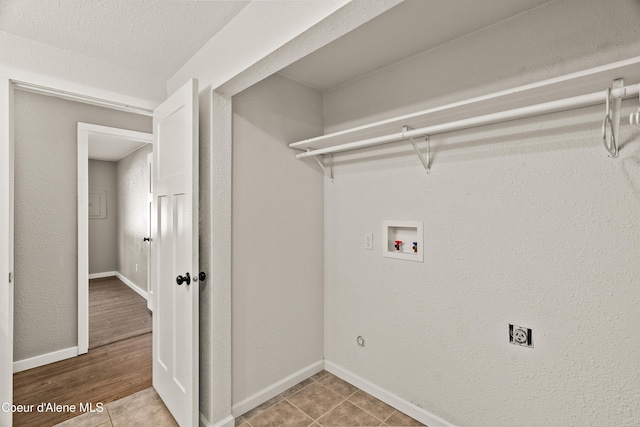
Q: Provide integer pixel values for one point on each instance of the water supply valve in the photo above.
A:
(398, 245)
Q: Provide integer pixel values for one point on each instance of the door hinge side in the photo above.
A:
(10, 277)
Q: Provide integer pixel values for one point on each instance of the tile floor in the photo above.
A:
(144, 408)
(324, 400)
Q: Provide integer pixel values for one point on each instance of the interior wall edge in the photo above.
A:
(276, 388)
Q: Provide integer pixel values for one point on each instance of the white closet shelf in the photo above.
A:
(580, 89)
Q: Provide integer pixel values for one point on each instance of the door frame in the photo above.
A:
(6, 247)
(84, 131)
(149, 231)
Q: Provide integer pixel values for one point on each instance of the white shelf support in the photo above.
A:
(425, 162)
(574, 90)
(634, 118)
(517, 113)
(328, 172)
(612, 119)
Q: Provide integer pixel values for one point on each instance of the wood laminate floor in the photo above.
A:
(115, 312)
(103, 375)
(118, 363)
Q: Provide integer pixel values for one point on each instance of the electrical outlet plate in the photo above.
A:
(368, 241)
(519, 335)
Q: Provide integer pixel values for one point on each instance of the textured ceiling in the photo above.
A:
(405, 30)
(154, 37)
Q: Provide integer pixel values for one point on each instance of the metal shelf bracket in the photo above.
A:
(425, 162)
(634, 118)
(612, 119)
(328, 172)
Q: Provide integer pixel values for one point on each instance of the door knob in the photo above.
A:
(182, 279)
(146, 239)
(202, 276)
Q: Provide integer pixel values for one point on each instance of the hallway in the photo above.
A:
(105, 374)
(117, 365)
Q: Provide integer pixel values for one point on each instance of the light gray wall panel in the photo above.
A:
(133, 215)
(277, 236)
(103, 232)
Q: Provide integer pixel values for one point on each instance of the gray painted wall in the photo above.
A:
(103, 232)
(46, 313)
(133, 216)
(277, 236)
(526, 222)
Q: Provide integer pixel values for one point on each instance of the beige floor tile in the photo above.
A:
(337, 385)
(260, 409)
(399, 419)
(347, 414)
(106, 424)
(154, 414)
(296, 388)
(240, 421)
(319, 375)
(133, 402)
(315, 400)
(89, 419)
(284, 414)
(375, 407)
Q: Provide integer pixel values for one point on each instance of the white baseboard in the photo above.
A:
(226, 422)
(101, 275)
(132, 285)
(276, 388)
(44, 359)
(387, 397)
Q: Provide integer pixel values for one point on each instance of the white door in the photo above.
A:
(175, 254)
(6, 251)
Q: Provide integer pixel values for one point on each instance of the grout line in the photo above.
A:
(344, 399)
(265, 410)
(308, 416)
(394, 411)
(367, 412)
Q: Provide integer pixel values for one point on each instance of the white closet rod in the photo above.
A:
(518, 113)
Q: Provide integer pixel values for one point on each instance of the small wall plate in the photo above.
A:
(519, 335)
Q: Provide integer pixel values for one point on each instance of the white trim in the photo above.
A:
(47, 85)
(84, 129)
(387, 397)
(83, 240)
(6, 247)
(103, 274)
(276, 388)
(116, 132)
(226, 422)
(45, 359)
(132, 285)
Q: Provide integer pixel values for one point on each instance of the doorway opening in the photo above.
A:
(114, 195)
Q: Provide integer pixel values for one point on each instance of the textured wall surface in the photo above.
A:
(133, 215)
(103, 232)
(277, 236)
(30, 60)
(527, 222)
(46, 314)
(554, 39)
